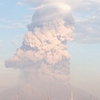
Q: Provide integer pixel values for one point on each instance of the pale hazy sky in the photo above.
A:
(84, 49)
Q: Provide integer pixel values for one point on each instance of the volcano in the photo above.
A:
(27, 92)
(43, 58)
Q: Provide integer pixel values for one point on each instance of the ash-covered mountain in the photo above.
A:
(28, 92)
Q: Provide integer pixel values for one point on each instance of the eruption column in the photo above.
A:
(43, 57)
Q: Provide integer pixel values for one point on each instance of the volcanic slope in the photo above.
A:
(27, 92)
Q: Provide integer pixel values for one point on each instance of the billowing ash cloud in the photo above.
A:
(44, 2)
(45, 43)
(43, 56)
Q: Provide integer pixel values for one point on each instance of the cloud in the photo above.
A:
(39, 7)
(18, 25)
(6, 23)
(43, 52)
(20, 3)
(28, 16)
(87, 30)
(15, 41)
(42, 57)
(84, 11)
(12, 26)
(26, 19)
(35, 41)
(2, 26)
(0, 43)
(40, 2)
(87, 21)
(4, 20)
(20, 36)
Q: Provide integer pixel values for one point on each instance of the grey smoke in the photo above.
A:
(46, 40)
(43, 57)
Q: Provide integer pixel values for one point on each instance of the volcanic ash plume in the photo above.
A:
(43, 57)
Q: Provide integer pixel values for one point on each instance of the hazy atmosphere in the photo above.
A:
(46, 44)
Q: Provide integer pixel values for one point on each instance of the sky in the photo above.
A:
(84, 49)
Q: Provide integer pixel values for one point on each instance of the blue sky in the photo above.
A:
(84, 49)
